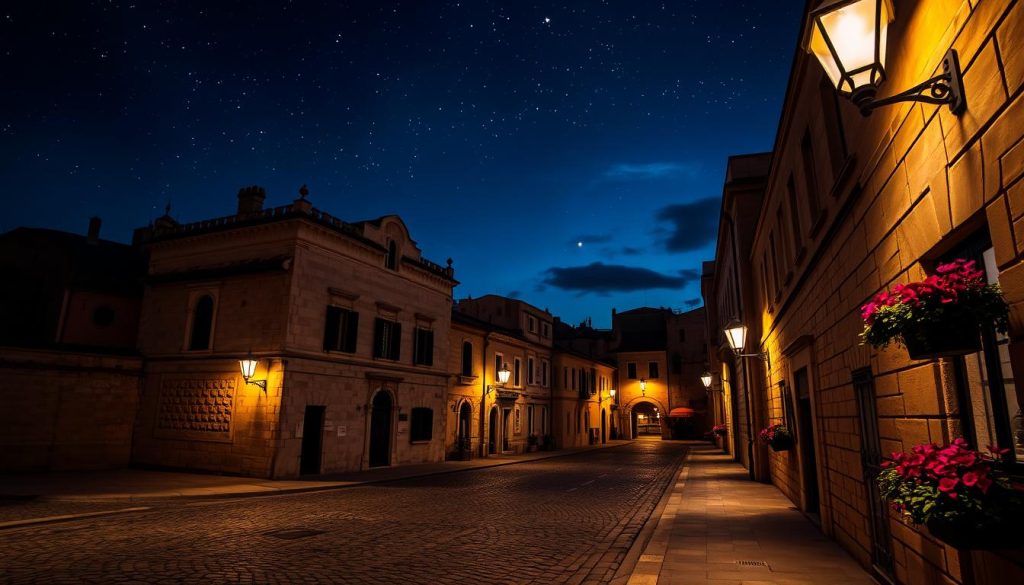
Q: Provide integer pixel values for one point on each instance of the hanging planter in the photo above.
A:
(777, 437)
(959, 494)
(939, 316)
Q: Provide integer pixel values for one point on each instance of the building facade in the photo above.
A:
(492, 333)
(348, 322)
(69, 371)
(854, 206)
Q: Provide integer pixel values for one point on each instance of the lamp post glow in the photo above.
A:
(849, 39)
(643, 386)
(706, 380)
(248, 367)
(736, 335)
(612, 393)
(501, 377)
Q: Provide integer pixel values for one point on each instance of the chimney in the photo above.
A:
(250, 200)
(94, 230)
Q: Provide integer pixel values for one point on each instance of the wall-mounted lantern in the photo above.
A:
(503, 375)
(643, 387)
(706, 380)
(248, 367)
(736, 335)
(849, 39)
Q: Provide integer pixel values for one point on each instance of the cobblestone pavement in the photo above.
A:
(562, 520)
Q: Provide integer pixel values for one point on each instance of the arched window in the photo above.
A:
(392, 260)
(467, 358)
(202, 323)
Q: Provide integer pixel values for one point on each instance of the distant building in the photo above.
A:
(491, 333)
(69, 369)
(660, 358)
(584, 386)
(348, 322)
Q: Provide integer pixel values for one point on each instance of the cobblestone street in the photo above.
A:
(561, 520)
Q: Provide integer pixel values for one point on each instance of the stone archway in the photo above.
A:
(646, 418)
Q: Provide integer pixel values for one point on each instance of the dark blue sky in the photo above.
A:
(570, 153)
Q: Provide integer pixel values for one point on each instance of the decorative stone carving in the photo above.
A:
(191, 407)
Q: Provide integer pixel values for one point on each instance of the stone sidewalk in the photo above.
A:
(719, 528)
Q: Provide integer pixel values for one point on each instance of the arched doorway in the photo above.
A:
(646, 420)
(380, 430)
(604, 426)
(492, 431)
(465, 416)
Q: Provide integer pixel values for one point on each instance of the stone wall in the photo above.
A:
(909, 184)
(66, 410)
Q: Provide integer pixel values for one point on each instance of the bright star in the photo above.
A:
(579, 244)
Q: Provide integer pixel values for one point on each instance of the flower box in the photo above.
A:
(777, 437)
(959, 494)
(937, 317)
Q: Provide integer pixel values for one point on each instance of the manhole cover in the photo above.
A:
(752, 563)
(294, 533)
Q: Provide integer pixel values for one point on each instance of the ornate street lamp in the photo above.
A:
(849, 39)
(503, 375)
(643, 387)
(706, 380)
(248, 367)
(736, 335)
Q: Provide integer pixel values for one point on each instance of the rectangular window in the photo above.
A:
(565, 377)
(544, 420)
(574, 378)
(531, 323)
(652, 370)
(775, 263)
(631, 370)
(529, 420)
(517, 376)
(545, 329)
(387, 339)
(529, 371)
(499, 361)
(421, 425)
(583, 379)
(340, 330)
(794, 216)
(423, 347)
(787, 257)
(593, 380)
(810, 176)
(682, 335)
(544, 373)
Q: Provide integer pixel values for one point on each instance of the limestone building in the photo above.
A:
(855, 205)
(348, 325)
(493, 333)
(584, 391)
(69, 371)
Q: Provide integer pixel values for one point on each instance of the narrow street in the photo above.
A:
(562, 520)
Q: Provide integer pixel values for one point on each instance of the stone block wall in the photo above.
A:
(65, 410)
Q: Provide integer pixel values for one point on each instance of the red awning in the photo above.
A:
(681, 412)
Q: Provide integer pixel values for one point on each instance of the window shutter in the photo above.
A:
(378, 339)
(396, 341)
(429, 349)
(352, 331)
(331, 325)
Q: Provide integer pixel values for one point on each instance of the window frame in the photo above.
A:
(193, 306)
(653, 370)
(417, 426)
(385, 330)
(346, 334)
(422, 346)
(631, 373)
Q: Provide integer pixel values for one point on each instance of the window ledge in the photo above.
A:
(467, 380)
(421, 442)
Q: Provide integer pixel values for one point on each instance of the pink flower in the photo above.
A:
(948, 484)
(970, 479)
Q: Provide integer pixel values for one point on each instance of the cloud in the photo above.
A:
(632, 251)
(607, 278)
(692, 225)
(692, 302)
(657, 170)
(514, 294)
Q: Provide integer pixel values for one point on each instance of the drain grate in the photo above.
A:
(294, 533)
(752, 563)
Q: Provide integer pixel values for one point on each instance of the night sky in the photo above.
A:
(567, 153)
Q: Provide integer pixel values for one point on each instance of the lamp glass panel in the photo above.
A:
(737, 337)
(706, 380)
(503, 374)
(612, 392)
(819, 47)
(643, 384)
(853, 32)
(248, 367)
